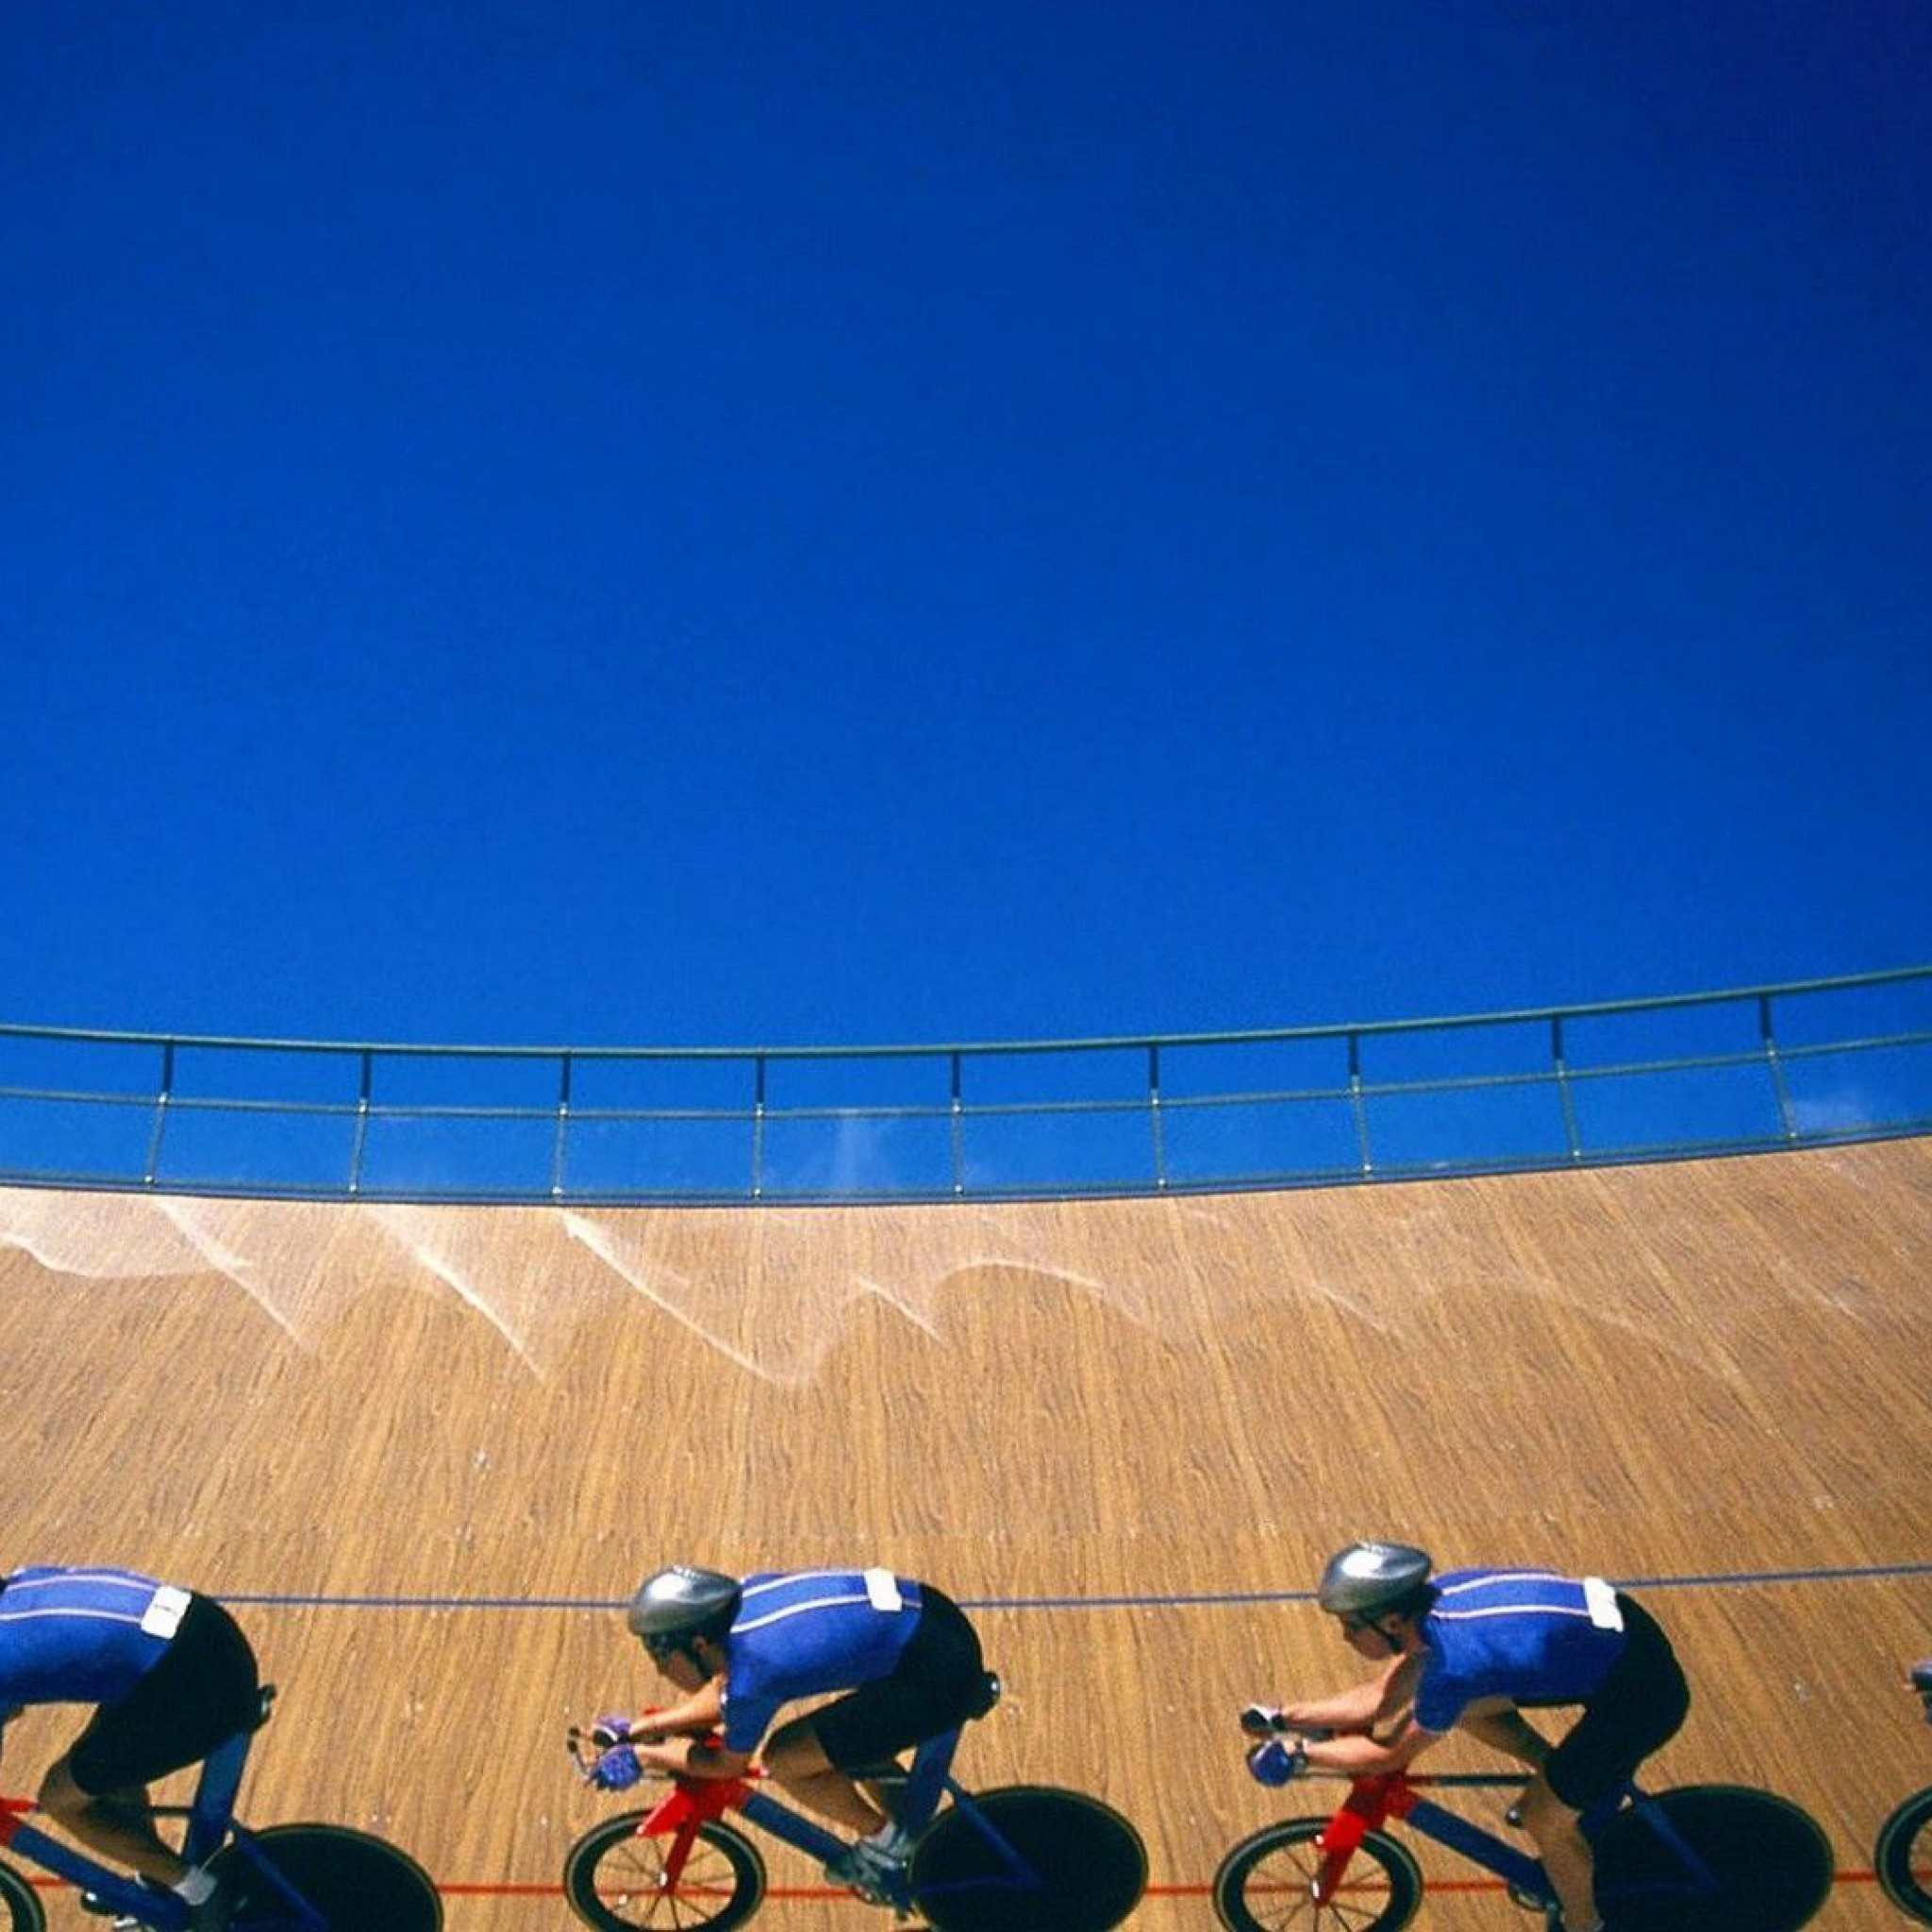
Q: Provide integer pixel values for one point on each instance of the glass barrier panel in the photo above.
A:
(857, 1155)
(429, 1156)
(1509, 1124)
(258, 1149)
(701, 1157)
(1101, 1150)
(1260, 1143)
(1632, 1115)
(1854, 1092)
(104, 1142)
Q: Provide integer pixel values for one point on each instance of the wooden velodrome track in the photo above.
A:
(425, 1452)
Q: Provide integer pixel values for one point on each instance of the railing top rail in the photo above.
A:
(1135, 1042)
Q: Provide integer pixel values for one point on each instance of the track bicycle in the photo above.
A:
(1019, 1858)
(284, 1878)
(1904, 1852)
(1718, 1857)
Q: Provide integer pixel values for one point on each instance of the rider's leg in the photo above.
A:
(795, 1757)
(1568, 1861)
(1509, 1732)
(118, 1824)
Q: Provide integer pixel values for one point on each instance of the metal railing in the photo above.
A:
(1807, 1064)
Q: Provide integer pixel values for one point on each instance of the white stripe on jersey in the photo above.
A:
(778, 1616)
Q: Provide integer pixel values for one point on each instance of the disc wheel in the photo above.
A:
(1904, 1856)
(615, 1879)
(1267, 1883)
(20, 1902)
(1028, 1859)
(1772, 1864)
(357, 1882)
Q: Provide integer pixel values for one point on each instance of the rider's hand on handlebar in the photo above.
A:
(612, 1730)
(617, 1769)
(1263, 1720)
(1276, 1761)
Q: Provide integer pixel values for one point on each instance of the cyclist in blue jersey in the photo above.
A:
(172, 1676)
(904, 1654)
(1468, 1650)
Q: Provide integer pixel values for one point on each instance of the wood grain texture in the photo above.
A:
(428, 1451)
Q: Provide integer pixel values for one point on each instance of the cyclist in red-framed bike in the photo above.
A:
(1470, 1649)
(904, 1654)
(171, 1677)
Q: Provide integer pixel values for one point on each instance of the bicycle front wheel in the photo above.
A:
(615, 1879)
(1772, 1865)
(1028, 1859)
(21, 1903)
(1904, 1856)
(1267, 1883)
(353, 1881)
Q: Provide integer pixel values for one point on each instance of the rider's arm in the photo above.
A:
(694, 1758)
(1366, 1755)
(1354, 1710)
(1387, 1739)
(693, 1715)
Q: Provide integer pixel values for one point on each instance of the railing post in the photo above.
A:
(1153, 1118)
(1359, 1103)
(956, 1125)
(757, 1129)
(360, 1142)
(1573, 1140)
(1787, 1119)
(151, 1173)
(557, 1151)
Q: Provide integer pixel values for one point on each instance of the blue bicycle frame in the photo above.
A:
(1377, 1799)
(210, 1825)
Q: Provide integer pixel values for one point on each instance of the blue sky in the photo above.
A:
(751, 525)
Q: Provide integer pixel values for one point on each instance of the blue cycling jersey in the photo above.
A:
(1526, 1635)
(82, 1635)
(804, 1633)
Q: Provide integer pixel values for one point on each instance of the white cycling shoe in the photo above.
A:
(874, 1867)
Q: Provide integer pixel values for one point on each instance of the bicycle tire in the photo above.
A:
(1266, 1883)
(1904, 1856)
(21, 1903)
(356, 1881)
(1772, 1864)
(1089, 1865)
(613, 1877)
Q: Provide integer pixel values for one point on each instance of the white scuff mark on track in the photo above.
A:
(410, 1229)
(62, 1233)
(1356, 1307)
(590, 1235)
(34, 1249)
(186, 1220)
(1706, 1350)
(893, 1299)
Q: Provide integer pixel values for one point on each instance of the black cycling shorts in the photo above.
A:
(938, 1683)
(202, 1692)
(1638, 1707)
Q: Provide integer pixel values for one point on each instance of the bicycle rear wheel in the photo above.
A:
(1081, 1866)
(1771, 1863)
(615, 1880)
(357, 1883)
(21, 1903)
(1904, 1856)
(1266, 1884)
